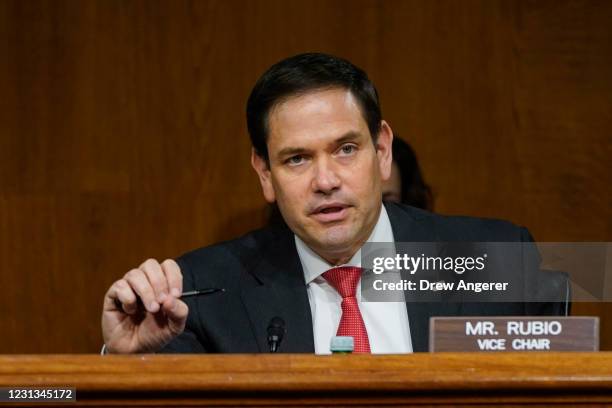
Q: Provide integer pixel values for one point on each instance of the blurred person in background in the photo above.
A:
(406, 184)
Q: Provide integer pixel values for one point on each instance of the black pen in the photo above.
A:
(201, 292)
(191, 293)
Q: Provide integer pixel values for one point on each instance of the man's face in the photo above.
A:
(324, 171)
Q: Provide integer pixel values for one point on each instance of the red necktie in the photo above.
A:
(344, 279)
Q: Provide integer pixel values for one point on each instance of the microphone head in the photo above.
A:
(276, 327)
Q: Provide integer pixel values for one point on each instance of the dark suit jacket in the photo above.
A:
(263, 278)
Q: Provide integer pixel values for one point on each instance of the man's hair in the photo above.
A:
(305, 73)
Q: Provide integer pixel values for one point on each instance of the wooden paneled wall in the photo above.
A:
(123, 136)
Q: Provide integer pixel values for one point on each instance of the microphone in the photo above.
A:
(276, 332)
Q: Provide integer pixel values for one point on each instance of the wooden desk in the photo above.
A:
(290, 379)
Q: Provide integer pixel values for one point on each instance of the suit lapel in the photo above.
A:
(416, 226)
(275, 287)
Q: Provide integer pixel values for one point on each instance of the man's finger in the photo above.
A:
(125, 298)
(176, 310)
(140, 284)
(174, 277)
(120, 297)
(157, 279)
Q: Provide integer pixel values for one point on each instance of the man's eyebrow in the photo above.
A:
(347, 137)
(290, 151)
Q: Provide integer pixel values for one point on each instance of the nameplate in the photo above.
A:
(514, 334)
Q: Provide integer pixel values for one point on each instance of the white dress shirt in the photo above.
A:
(386, 322)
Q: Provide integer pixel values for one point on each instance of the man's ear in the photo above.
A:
(384, 150)
(262, 168)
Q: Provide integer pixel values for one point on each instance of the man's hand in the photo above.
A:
(142, 311)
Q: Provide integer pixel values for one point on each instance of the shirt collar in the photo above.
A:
(313, 265)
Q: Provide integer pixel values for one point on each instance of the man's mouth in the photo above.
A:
(330, 212)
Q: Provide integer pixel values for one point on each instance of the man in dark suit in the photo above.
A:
(321, 150)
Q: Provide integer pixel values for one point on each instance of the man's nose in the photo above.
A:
(326, 180)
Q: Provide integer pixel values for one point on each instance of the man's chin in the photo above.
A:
(337, 239)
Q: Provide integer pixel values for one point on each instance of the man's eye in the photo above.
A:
(348, 149)
(294, 160)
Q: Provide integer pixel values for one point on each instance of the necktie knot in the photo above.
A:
(344, 279)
